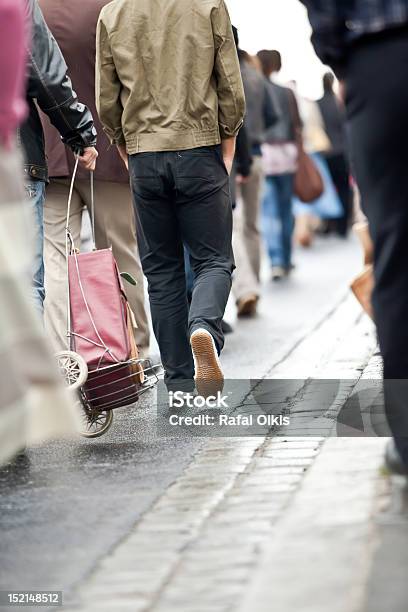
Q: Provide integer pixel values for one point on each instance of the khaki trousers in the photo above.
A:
(114, 227)
(247, 241)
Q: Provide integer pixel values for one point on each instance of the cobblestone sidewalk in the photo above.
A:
(283, 523)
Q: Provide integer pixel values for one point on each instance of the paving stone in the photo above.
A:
(278, 469)
(271, 489)
(285, 450)
(271, 461)
(338, 531)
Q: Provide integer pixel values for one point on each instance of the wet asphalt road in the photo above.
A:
(64, 505)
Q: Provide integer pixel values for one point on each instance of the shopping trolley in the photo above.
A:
(101, 363)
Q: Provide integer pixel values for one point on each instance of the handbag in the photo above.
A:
(308, 185)
(308, 182)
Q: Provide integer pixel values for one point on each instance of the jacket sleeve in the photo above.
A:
(243, 157)
(50, 85)
(108, 87)
(231, 97)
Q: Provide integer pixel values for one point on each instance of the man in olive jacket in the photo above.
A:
(170, 96)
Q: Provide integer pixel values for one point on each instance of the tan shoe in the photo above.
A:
(363, 287)
(209, 377)
(247, 306)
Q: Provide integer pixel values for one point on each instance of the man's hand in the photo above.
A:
(88, 158)
(228, 152)
(123, 154)
(229, 162)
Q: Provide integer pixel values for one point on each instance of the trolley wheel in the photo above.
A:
(93, 423)
(73, 369)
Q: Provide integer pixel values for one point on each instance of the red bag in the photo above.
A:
(102, 330)
(98, 309)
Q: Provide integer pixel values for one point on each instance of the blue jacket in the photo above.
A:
(338, 23)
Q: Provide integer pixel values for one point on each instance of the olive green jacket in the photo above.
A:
(167, 74)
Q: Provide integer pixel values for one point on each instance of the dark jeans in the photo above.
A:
(183, 198)
(339, 170)
(377, 102)
(189, 275)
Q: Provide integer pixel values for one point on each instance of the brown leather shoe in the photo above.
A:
(247, 306)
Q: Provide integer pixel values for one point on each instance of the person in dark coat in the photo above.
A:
(366, 44)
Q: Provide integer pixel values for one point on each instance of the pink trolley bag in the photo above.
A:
(102, 361)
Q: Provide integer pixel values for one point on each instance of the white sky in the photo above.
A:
(282, 25)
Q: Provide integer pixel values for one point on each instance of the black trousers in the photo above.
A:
(377, 103)
(339, 170)
(183, 198)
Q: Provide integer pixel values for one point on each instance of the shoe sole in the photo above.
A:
(208, 374)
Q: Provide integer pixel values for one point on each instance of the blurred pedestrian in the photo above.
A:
(170, 96)
(280, 161)
(334, 117)
(31, 401)
(50, 88)
(314, 215)
(261, 115)
(74, 28)
(366, 44)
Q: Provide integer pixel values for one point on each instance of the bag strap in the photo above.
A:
(296, 119)
(92, 210)
(71, 191)
(69, 241)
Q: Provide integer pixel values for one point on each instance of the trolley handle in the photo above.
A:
(71, 191)
(69, 241)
